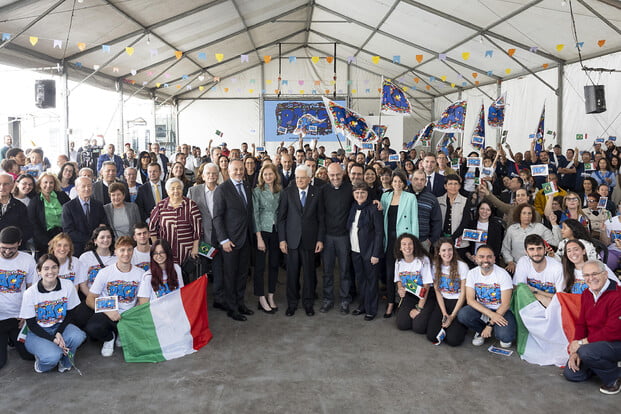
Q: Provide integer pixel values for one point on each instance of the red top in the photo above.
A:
(601, 320)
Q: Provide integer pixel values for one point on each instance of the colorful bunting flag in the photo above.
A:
(178, 54)
(540, 131)
(349, 123)
(419, 58)
(560, 47)
(129, 50)
(600, 43)
(453, 118)
(219, 57)
(380, 130)
(478, 135)
(33, 40)
(496, 113)
(315, 59)
(465, 55)
(329, 59)
(579, 45)
(534, 49)
(489, 53)
(545, 65)
(81, 46)
(58, 44)
(394, 100)
(375, 59)
(396, 59)
(351, 59)
(96, 67)
(475, 74)
(507, 71)
(153, 52)
(424, 136)
(442, 56)
(244, 58)
(7, 36)
(267, 58)
(511, 52)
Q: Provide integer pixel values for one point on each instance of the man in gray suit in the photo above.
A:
(202, 194)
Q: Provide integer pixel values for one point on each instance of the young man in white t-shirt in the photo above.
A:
(122, 280)
(17, 272)
(488, 294)
(142, 252)
(543, 274)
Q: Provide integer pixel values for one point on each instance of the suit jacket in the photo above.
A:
(370, 230)
(133, 214)
(318, 182)
(437, 188)
(197, 193)
(145, 200)
(76, 225)
(407, 214)
(101, 193)
(301, 227)
(232, 217)
(284, 181)
(36, 215)
(15, 215)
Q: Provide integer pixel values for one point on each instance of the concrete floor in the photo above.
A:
(329, 363)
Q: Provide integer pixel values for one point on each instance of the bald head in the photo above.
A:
(335, 174)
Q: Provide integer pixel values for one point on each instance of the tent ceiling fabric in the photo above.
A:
(432, 47)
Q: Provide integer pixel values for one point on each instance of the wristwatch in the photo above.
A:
(580, 342)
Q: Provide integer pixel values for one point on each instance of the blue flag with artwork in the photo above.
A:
(478, 135)
(424, 136)
(496, 113)
(540, 131)
(394, 100)
(453, 118)
(444, 142)
(349, 123)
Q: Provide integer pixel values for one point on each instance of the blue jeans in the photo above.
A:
(472, 319)
(50, 354)
(599, 358)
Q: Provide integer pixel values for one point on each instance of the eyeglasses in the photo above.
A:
(571, 199)
(592, 201)
(589, 275)
(159, 253)
(8, 249)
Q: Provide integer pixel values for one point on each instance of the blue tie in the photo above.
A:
(241, 192)
(303, 200)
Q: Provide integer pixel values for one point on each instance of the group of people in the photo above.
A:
(444, 241)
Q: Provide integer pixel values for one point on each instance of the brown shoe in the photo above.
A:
(611, 389)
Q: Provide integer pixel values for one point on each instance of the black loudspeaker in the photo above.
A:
(594, 99)
(45, 93)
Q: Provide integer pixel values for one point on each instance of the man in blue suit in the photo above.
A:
(82, 215)
(435, 181)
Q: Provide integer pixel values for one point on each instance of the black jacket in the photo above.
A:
(36, 215)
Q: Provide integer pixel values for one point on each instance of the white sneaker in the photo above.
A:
(478, 340)
(118, 342)
(505, 344)
(36, 366)
(108, 347)
(62, 368)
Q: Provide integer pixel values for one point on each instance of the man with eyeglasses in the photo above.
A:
(596, 346)
(17, 272)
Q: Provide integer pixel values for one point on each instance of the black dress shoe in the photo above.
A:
(290, 312)
(310, 311)
(236, 316)
(218, 305)
(357, 312)
(261, 308)
(388, 315)
(345, 308)
(369, 317)
(243, 309)
(325, 307)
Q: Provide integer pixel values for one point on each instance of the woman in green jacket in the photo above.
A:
(400, 216)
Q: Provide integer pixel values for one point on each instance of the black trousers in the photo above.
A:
(420, 323)
(389, 258)
(81, 314)
(366, 280)
(305, 259)
(100, 327)
(235, 265)
(9, 329)
(271, 244)
(455, 333)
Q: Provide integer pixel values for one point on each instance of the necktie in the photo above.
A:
(158, 196)
(87, 211)
(303, 199)
(429, 182)
(242, 193)
(287, 176)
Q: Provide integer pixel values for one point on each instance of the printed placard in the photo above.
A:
(106, 304)
(599, 140)
(602, 203)
(588, 166)
(410, 285)
(612, 138)
(478, 140)
(477, 180)
(579, 137)
(260, 149)
(539, 170)
(367, 145)
(440, 337)
(312, 129)
(393, 158)
(615, 235)
(531, 136)
(471, 235)
(281, 130)
(503, 139)
(320, 162)
(500, 351)
(549, 188)
(486, 172)
(473, 162)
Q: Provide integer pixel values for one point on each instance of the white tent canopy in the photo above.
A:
(233, 52)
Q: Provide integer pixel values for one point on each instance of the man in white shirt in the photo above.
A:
(543, 274)
(488, 294)
(142, 252)
(151, 193)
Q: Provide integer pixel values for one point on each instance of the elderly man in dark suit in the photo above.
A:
(82, 215)
(233, 222)
(301, 232)
(203, 195)
(108, 176)
(152, 192)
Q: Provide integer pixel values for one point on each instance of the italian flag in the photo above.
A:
(170, 327)
(543, 334)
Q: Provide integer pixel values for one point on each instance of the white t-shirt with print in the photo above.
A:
(418, 270)
(449, 288)
(50, 308)
(488, 288)
(92, 267)
(15, 274)
(110, 281)
(551, 280)
(141, 260)
(146, 290)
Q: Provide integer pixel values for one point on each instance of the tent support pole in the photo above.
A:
(559, 105)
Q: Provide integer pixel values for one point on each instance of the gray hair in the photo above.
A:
(211, 165)
(172, 181)
(302, 167)
(6, 174)
(600, 265)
